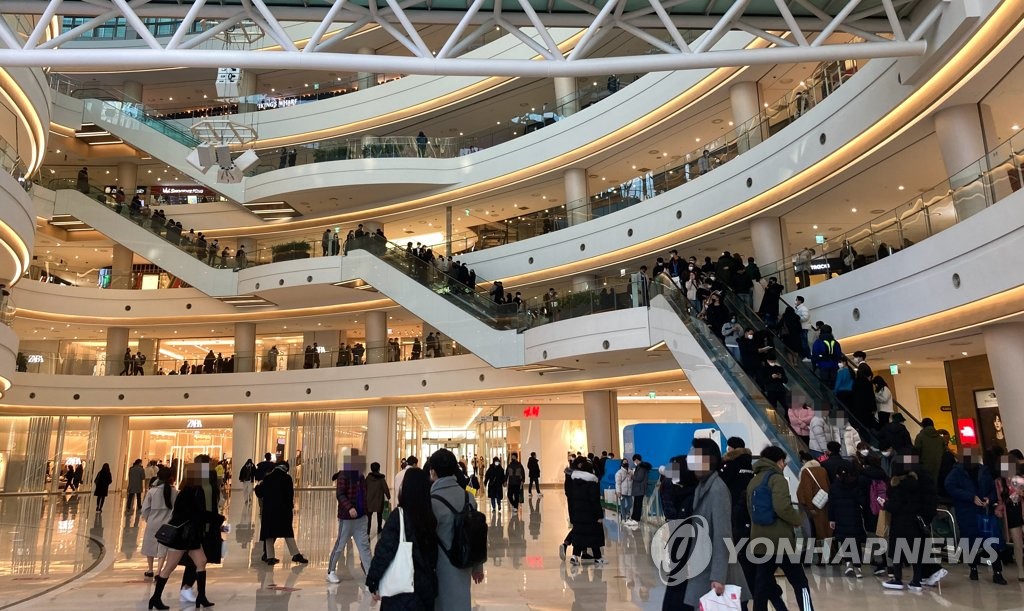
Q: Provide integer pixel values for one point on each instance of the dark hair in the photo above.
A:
(414, 499)
(834, 447)
(267, 456)
(879, 383)
(584, 465)
(138, 461)
(375, 467)
(637, 457)
(805, 456)
(166, 476)
(927, 422)
(443, 463)
(736, 443)
(773, 453)
(861, 354)
(709, 448)
(412, 461)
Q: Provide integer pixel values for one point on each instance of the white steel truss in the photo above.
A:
(798, 31)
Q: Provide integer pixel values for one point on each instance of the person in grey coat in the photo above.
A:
(136, 475)
(713, 503)
(453, 584)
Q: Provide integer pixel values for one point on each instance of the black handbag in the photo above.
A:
(174, 537)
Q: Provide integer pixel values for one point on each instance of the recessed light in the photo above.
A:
(814, 226)
(901, 187)
(1014, 127)
(964, 353)
(853, 209)
(907, 362)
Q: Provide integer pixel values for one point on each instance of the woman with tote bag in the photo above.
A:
(403, 574)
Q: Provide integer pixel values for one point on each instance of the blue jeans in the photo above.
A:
(625, 505)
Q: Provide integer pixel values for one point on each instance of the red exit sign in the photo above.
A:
(531, 411)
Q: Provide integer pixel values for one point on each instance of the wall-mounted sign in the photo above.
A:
(982, 398)
(894, 369)
(531, 411)
(194, 423)
(179, 190)
(968, 432)
(35, 358)
(268, 103)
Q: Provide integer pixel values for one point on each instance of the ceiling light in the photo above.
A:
(964, 353)
(698, 139)
(901, 187)
(907, 362)
(171, 99)
(1014, 127)
(814, 226)
(730, 123)
(853, 209)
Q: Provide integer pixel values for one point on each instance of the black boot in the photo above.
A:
(201, 600)
(155, 601)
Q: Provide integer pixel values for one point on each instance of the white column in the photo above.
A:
(121, 268)
(111, 436)
(132, 90)
(243, 441)
(448, 231)
(246, 91)
(245, 347)
(366, 80)
(380, 437)
(766, 239)
(117, 341)
(148, 347)
(1004, 344)
(128, 178)
(745, 104)
(601, 413)
(577, 206)
(565, 96)
(961, 141)
(376, 337)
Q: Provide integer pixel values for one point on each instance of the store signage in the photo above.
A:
(194, 423)
(821, 266)
(35, 358)
(267, 103)
(531, 411)
(652, 395)
(180, 190)
(968, 432)
(894, 369)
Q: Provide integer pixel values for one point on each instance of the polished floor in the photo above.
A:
(65, 556)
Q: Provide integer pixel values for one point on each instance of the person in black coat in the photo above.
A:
(494, 479)
(909, 517)
(769, 308)
(790, 328)
(678, 485)
(863, 402)
(278, 493)
(101, 485)
(193, 519)
(533, 470)
(846, 500)
(585, 514)
(414, 510)
(895, 433)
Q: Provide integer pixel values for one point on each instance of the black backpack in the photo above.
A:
(469, 535)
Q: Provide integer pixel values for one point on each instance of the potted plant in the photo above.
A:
(289, 251)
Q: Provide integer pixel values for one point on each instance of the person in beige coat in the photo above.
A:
(814, 477)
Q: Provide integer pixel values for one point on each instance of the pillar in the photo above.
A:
(247, 92)
(962, 143)
(132, 90)
(121, 272)
(111, 437)
(128, 178)
(448, 231)
(245, 348)
(1004, 344)
(376, 327)
(117, 342)
(743, 99)
(365, 80)
(577, 206)
(243, 440)
(601, 413)
(380, 437)
(566, 102)
(149, 347)
(251, 254)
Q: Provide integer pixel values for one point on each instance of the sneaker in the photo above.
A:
(600, 561)
(857, 572)
(914, 587)
(848, 571)
(934, 579)
(561, 551)
(575, 560)
(187, 595)
(879, 570)
(974, 573)
(892, 584)
(332, 577)
(998, 579)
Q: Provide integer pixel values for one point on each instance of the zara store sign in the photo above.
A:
(194, 423)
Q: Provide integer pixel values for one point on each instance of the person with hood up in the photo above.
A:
(278, 493)
(494, 480)
(768, 470)
(585, 515)
(378, 496)
(641, 469)
(515, 475)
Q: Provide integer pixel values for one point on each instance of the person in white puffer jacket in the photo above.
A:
(624, 489)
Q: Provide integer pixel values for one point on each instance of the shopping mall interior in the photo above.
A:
(386, 229)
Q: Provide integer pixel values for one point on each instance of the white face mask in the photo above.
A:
(887, 453)
(863, 452)
(693, 462)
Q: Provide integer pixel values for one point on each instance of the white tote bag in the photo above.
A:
(728, 601)
(398, 579)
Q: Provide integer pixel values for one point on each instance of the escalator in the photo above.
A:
(730, 396)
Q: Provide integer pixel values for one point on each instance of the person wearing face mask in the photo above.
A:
(846, 502)
(494, 480)
(773, 380)
(641, 469)
(750, 357)
(713, 504)
(585, 514)
(768, 470)
(930, 446)
(730, 336)
(692, 287)
(974, 495)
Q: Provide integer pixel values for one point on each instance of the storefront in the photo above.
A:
(36, 451)
(175, 441)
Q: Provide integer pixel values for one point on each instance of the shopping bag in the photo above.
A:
(991, 527)
(398, 578)
(882, 530)
(728, 601)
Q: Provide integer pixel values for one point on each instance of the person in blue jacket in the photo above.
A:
(974, 495)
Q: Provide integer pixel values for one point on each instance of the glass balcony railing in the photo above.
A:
(982, 184)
